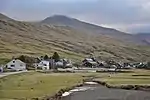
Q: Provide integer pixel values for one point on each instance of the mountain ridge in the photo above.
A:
(61, 20)
(4, 17)
(34, 39)
(144, 36)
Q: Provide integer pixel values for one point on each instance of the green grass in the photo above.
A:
(31, 85)
(143, 78)
(4, 60)
(127, 80)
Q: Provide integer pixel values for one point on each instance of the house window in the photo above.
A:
(12, 65)
(44, 64)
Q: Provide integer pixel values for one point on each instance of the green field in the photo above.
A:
(33, 84)
(135, 77)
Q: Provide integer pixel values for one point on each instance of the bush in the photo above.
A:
(128, 87)
(46, 57)
(56, 57)
(28, 60)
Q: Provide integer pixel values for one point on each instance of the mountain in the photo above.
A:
(144, 36)
(36, 39)
(60, 20)
(3, 17)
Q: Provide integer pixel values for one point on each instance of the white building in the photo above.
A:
(59, 64)
(44, 65)
(16, 65)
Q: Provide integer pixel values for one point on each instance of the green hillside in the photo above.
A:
(17, 38)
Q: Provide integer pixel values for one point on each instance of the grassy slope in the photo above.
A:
(31, 39)
(4, 60)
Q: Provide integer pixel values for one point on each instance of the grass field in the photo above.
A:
(137, 77)
(33, 84)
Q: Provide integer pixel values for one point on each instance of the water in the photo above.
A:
(95, 92)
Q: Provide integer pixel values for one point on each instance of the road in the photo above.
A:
(10, 73)
(103, 93)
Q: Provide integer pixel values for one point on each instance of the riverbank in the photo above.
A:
(91, 84)
(126, 87)
(103, 93)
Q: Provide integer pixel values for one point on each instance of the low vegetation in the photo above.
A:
(34, 85)
(34, 39)
(4, 60)
(39, 85)
(135, 77)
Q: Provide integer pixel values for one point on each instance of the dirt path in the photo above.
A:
(10, 73)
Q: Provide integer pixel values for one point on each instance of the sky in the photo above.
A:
(131, 16)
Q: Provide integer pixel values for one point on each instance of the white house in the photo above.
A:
(64, 63)
(89, 62)
(59, 64)
(16, 64)
(45, 65)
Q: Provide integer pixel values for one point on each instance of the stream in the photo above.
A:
(98, 92)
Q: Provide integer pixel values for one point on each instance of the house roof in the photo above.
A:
(89, 59)
(16, 60)
(45, 62)
(93, 62)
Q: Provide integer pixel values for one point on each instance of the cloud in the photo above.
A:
(121, 14)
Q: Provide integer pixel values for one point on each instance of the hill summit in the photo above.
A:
(3, 17)
(61, 20)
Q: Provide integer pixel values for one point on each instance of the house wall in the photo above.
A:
(16, 65)
(44, 65)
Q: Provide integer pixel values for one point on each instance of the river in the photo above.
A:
(98, 92)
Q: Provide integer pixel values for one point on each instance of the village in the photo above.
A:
(61, 78)
(55, 63)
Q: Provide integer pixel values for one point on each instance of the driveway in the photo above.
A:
(10, 73)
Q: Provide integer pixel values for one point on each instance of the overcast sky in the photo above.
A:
(126, 15)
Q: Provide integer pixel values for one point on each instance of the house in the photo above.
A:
(44, 65)
(127, 66)
(89, 62)
(1, 69)
(142, 65)
(67, 63)
(101, 64)
(51, 64)
(16, 64)
(59, 64)
(64, 63)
